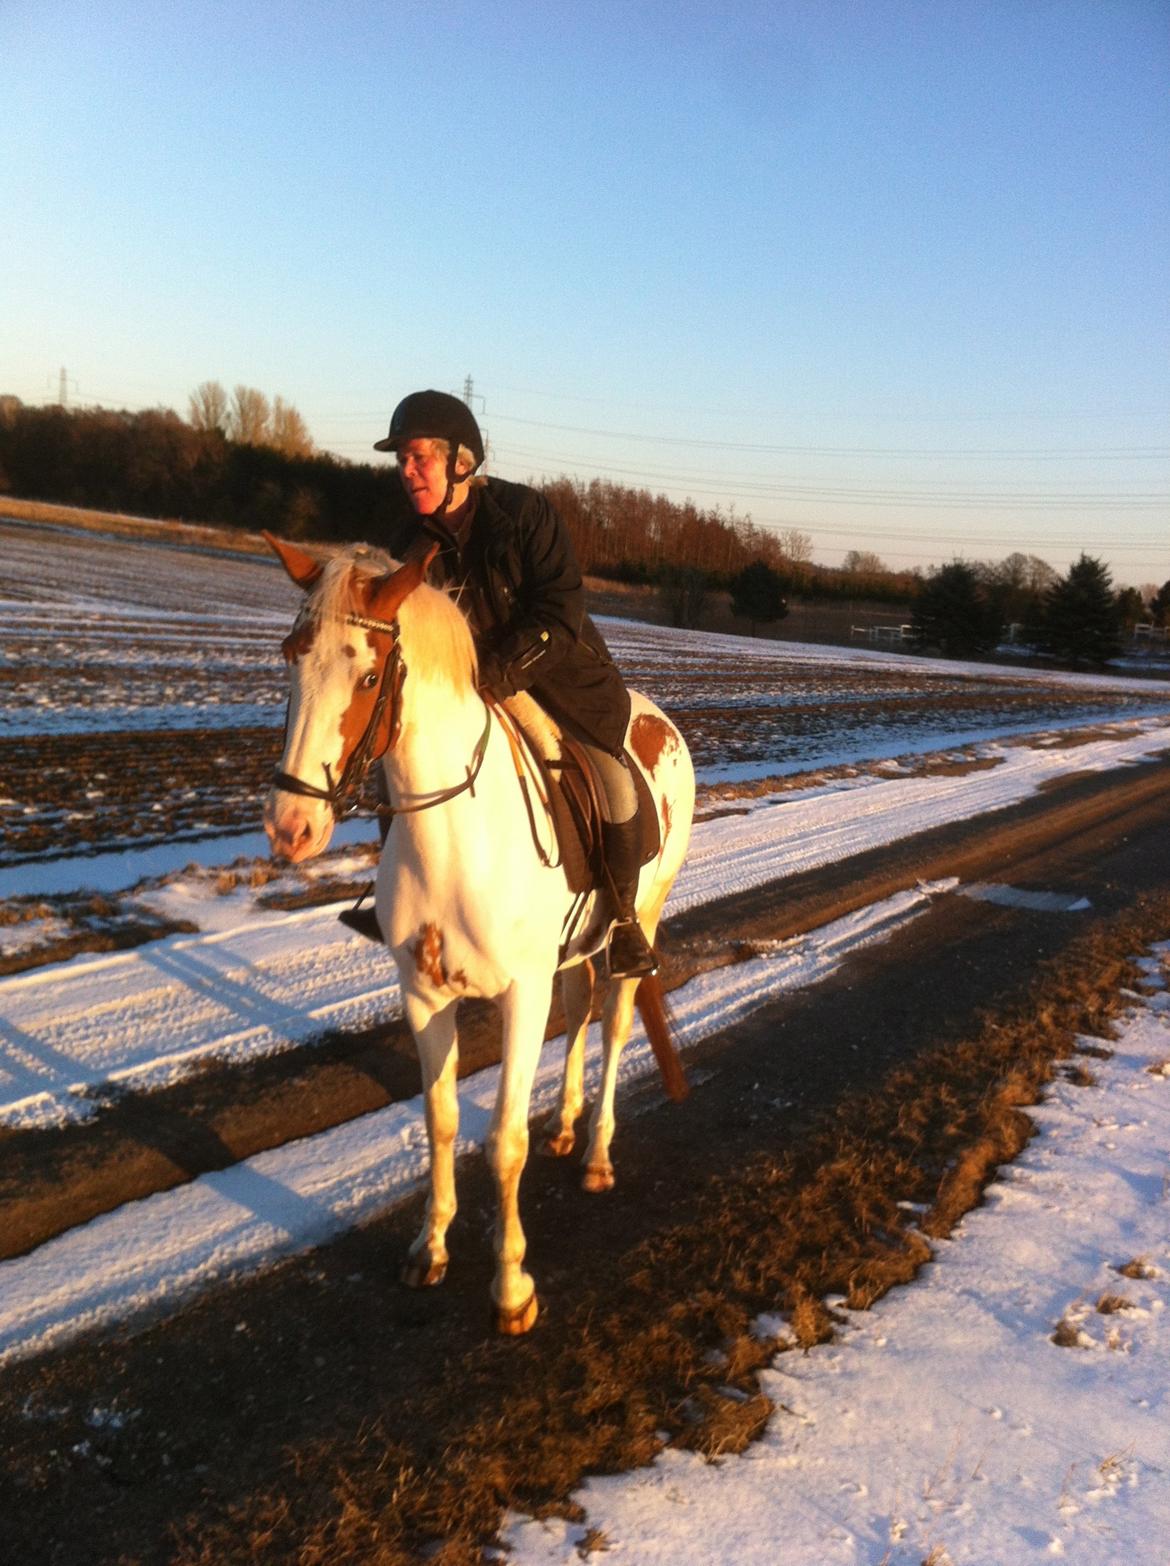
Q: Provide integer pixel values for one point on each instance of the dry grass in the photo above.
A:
(1068, 1334)
(120, 525)
(593, 1543)
(1110, 1304)
(81, 922)
(1078, 1075)
(1139, 1267)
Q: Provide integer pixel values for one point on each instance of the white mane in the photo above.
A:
(435, 633)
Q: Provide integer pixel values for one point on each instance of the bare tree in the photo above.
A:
(248, 420)
(795, 545)
(287, 431)
(208, 405)
(863, 562)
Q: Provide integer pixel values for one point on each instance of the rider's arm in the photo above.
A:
(549, 604)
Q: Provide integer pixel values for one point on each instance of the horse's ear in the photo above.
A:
(389, 591)
(300, 565)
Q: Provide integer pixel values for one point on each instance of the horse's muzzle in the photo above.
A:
(295, 831)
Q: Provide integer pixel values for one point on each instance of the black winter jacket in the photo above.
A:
(522, 592)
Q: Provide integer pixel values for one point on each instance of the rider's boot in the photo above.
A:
(629, 954)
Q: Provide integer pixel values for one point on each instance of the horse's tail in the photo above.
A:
(650, 999)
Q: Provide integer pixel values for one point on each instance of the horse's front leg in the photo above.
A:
(577, 994)
(525, 1010)
(434, 1032)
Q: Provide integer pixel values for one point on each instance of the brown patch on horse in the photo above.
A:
(298, 641)
(666, 819)
(428, 955)
(352, 722)
(651, 737)
(428, 960)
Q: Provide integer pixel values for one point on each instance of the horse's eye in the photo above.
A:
(368, 681)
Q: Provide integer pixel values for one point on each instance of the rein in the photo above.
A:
(345, 796)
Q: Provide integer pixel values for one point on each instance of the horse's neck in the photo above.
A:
(441, 728)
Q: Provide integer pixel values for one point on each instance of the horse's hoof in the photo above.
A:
(598, 1178)
(515, 1323)
(559, 1145)
(420, 1272)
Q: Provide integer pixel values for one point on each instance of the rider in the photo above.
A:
(506, 549)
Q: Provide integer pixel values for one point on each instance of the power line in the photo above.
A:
(833, 494)
(1045, 453)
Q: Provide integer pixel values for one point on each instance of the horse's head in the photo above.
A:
(344, 673)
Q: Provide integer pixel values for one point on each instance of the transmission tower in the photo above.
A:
(471, 397)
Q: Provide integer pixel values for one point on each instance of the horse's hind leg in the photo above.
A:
(615, 1030)
(577, 994)
(434, 1032)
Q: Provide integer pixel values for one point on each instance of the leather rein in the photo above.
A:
(345, 796)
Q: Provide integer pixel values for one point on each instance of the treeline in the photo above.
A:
(965, 611)
(241, 462)
(635, 535)
(156, 464)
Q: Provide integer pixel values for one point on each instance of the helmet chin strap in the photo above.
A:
(452, 460)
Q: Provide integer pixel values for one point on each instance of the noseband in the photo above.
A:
(345, 796)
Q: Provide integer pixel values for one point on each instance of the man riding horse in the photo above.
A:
(505, 551)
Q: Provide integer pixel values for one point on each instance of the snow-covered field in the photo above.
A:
(883, 1451)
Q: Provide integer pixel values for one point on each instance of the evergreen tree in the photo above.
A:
(1081, 623)
(955, 613)
(1131, 609)
(757, 594)
(1160, 605)
(682, 592)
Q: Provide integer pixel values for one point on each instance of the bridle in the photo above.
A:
(345, 796)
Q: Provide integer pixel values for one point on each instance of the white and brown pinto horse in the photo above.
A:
(383, 666)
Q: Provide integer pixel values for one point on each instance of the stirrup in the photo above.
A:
(628, 954)
(362, 919)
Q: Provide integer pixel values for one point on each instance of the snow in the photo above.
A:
(945, 1424)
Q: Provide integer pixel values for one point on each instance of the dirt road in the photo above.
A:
(243, 1421)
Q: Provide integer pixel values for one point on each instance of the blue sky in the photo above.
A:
(893, 274)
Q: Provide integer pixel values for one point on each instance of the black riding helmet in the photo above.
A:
(435, 415)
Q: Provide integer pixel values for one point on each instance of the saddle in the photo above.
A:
(571, 793)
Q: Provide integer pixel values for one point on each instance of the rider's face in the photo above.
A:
(422, 466)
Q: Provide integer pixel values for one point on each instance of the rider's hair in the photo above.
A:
(464, 457)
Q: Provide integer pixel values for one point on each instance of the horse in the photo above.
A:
(468, 894)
